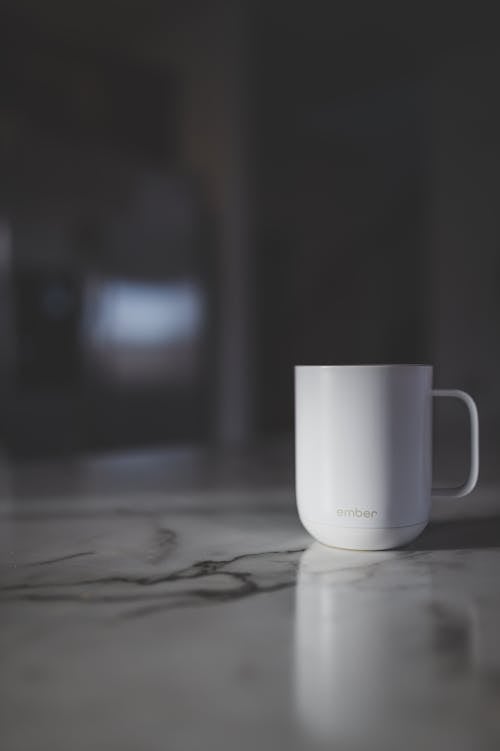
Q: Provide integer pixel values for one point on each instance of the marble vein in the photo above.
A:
(226, 585)
(58, 559)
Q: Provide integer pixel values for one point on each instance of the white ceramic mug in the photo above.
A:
(363, 452)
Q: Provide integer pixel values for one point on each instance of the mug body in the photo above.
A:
(363, 453)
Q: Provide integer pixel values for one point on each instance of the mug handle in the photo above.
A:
(470, 483)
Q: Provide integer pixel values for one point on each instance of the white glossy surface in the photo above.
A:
(361, 538)
(174, 602)
(363, 452)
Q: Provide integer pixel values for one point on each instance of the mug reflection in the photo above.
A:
(387, 655)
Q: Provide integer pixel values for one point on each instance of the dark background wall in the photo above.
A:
(196, 196)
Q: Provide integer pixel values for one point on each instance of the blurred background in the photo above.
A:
(195, 196)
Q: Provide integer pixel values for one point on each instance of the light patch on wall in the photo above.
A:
(138, 331)
(145, 314)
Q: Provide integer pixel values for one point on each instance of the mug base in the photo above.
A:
(363, 538)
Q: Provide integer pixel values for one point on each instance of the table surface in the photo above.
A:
(171, 600)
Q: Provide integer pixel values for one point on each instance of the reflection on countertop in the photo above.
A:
(173, 600)
(399, 651)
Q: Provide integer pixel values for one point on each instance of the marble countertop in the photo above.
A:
(171, 600)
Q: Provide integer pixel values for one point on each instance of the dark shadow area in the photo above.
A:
(196, 196)
(466, 534)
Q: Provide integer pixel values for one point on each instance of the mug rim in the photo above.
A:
(366, 366)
